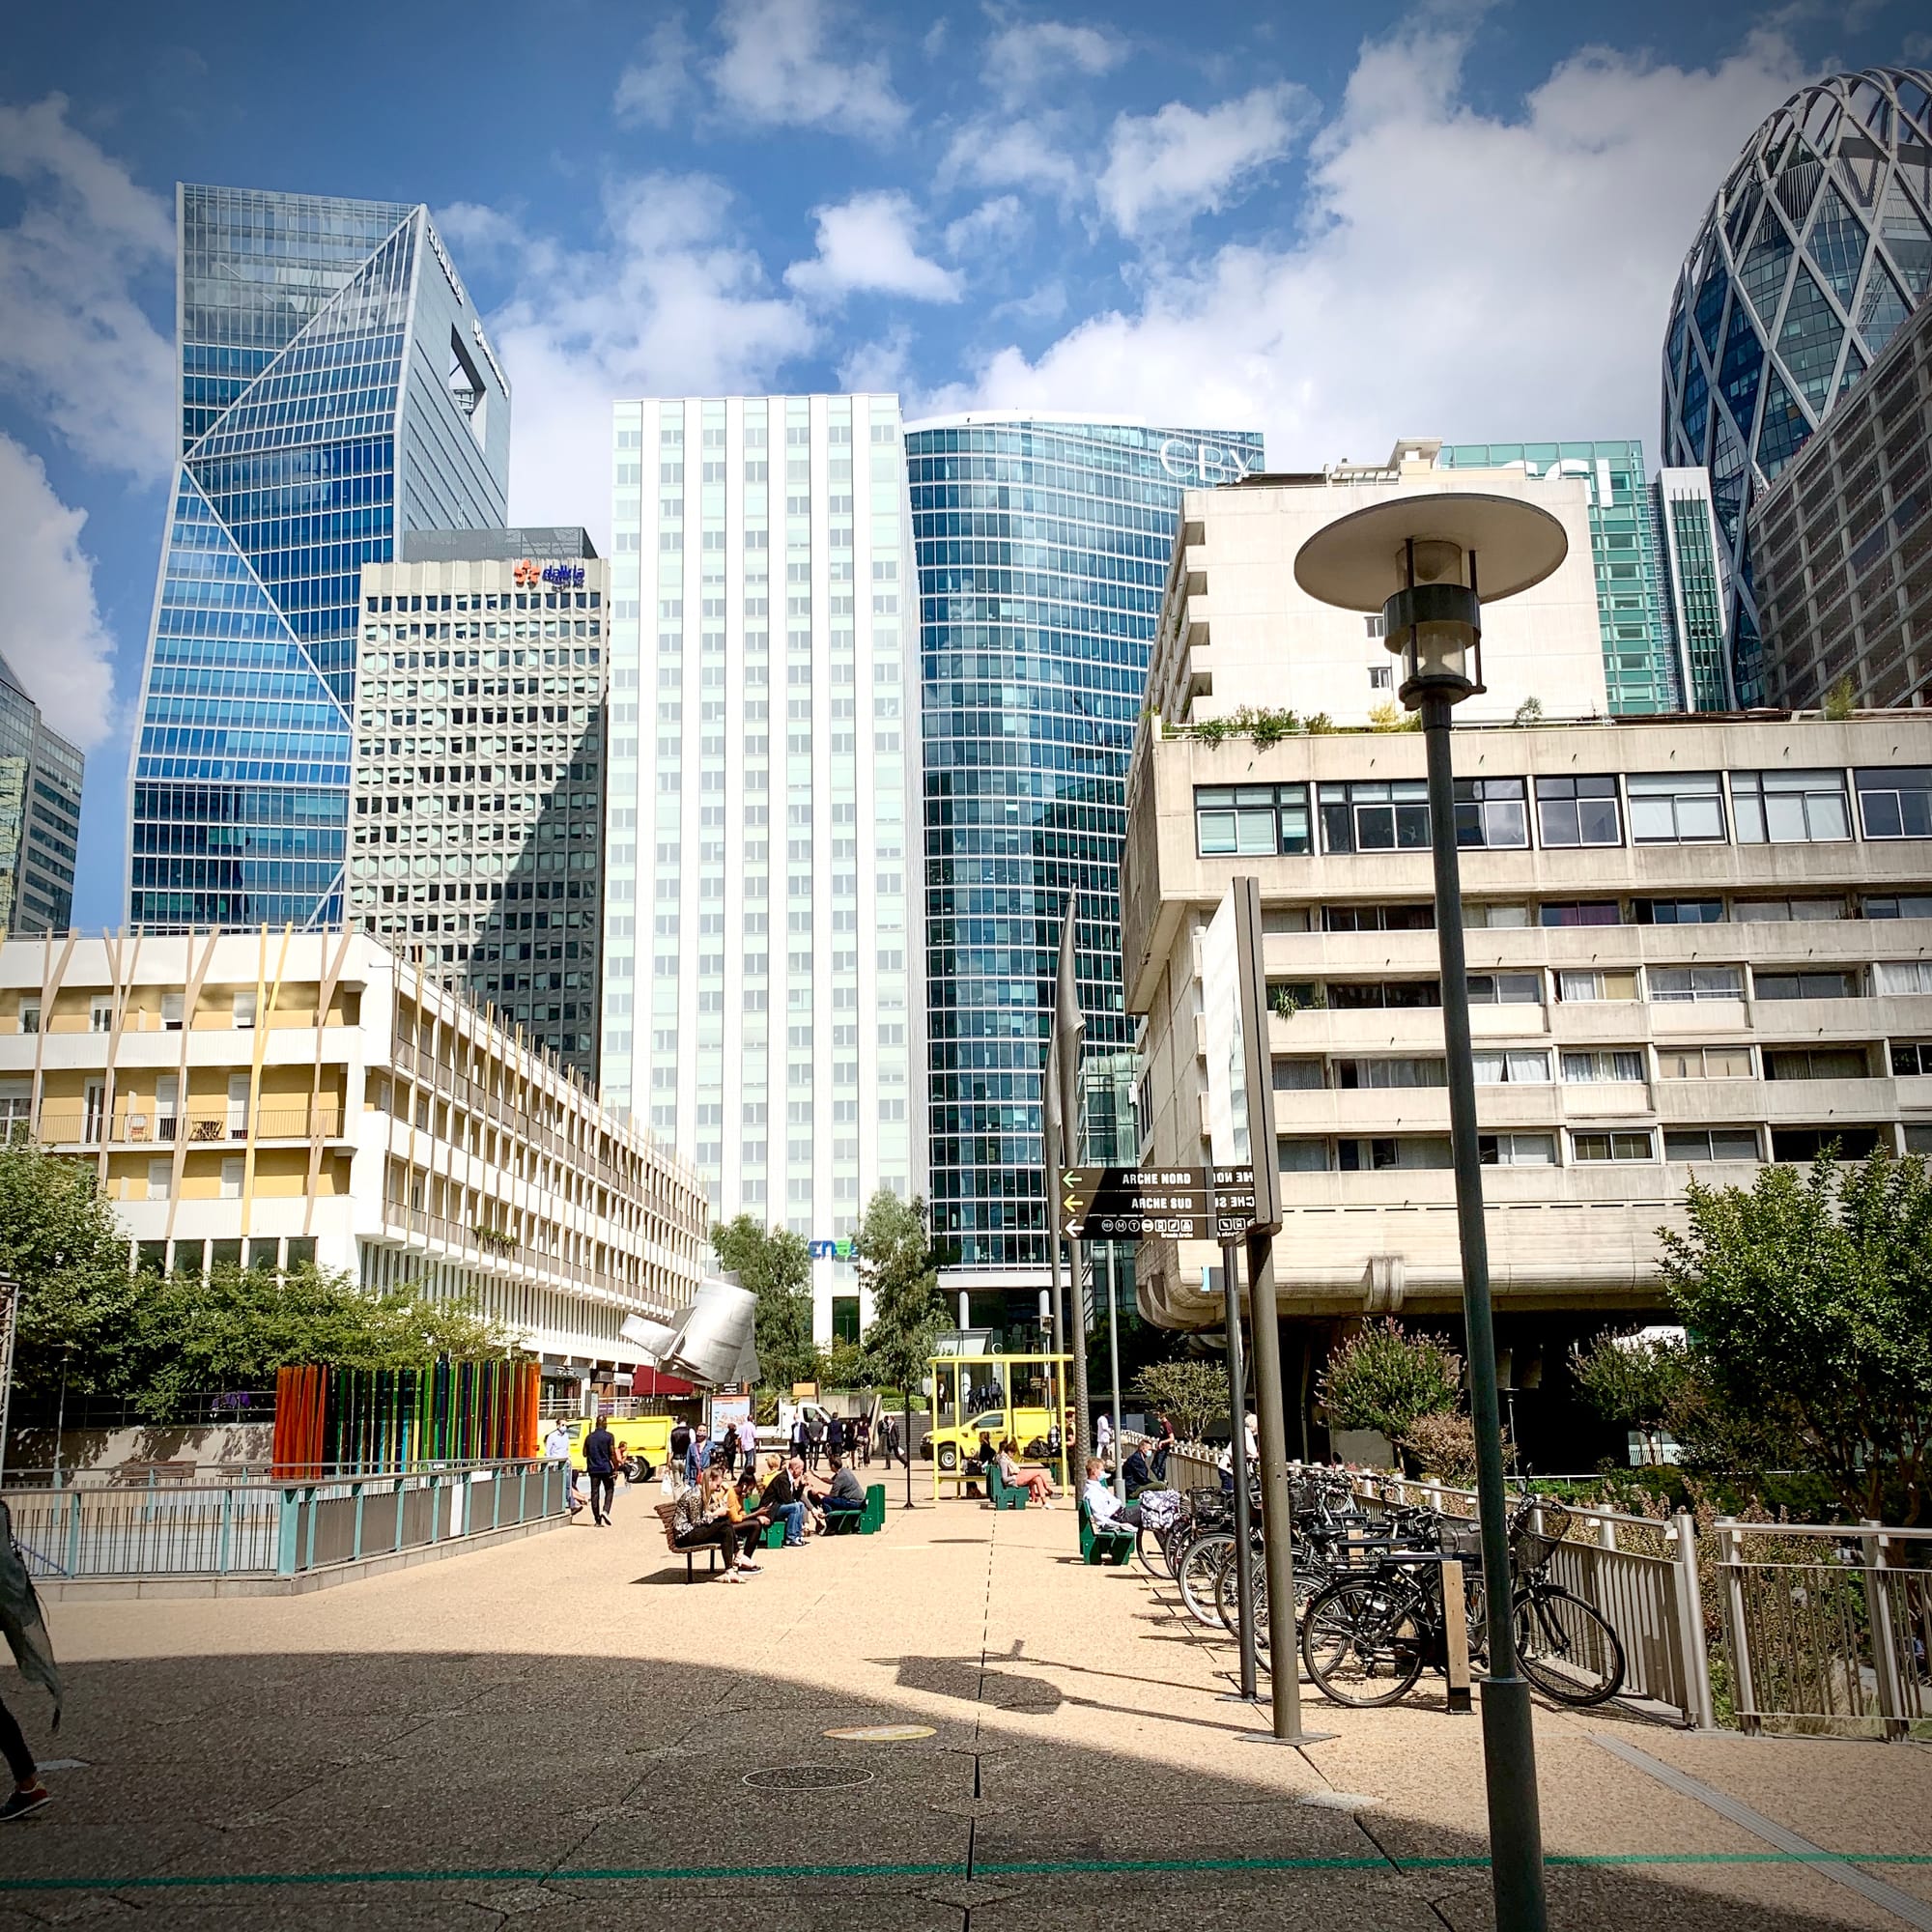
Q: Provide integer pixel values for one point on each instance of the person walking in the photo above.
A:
(600, 1462)
(862, 1429)
(814, 1436)
(728, 1449)
(1103, 1438)
(26, 1633)
(835, 1436)
(747, 1440)
(697, 1459)
(679, 1458)
(801, 1437)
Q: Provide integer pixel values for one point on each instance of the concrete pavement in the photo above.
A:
(559, 1732)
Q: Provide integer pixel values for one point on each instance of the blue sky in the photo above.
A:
(1334, 224)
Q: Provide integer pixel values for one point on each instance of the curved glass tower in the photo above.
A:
(337, 391)
(1813, 253)
(1043, 545)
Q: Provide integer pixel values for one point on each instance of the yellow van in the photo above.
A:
(646, 1435)
(997, 1396)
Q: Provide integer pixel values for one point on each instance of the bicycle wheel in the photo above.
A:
(1566, 1648)
(1228, 1593)
(1362, 1641)
(1199, 1570)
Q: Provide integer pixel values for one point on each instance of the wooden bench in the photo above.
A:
(1103, 1545)
(667, 1515)
(1004, 1495)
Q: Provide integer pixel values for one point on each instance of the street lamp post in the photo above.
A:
(1415, 558)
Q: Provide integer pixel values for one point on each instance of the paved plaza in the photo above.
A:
(561, 1733)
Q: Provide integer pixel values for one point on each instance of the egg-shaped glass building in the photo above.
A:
(1808, 261)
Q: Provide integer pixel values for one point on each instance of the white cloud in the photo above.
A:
(1036, 56)
(673, 304)
(997, 223)
(882, 368)
(1181, 161)
(867, 245)
(1456, 273)
(777, 69)
(75, 344)
(54, 638)
(653, 87)
(998, 152)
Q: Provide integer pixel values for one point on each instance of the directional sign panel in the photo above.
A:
(1125, 1203)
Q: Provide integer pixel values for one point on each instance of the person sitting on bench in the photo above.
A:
(1036, 1482)
(703, 1516)
(1137, 1471)
(778, 1504)
(1102, 1505)
(842, 1494)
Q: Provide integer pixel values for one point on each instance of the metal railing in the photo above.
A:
(69, 1125)
(253, 1527)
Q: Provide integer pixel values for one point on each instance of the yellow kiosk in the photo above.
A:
(1023, 1396)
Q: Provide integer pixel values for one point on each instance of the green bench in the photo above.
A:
(1103, 1545)
(1003, 1494)
(867, 1522)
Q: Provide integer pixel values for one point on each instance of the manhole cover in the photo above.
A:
(806, 1777)
(881, 1734)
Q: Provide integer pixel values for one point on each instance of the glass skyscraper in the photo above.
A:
(1639, 657)
(1043, 545)
(1815, 250)
(39, 815)
(337, 391)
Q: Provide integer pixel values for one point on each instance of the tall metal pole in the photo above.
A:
(1237, 1458)
(1111, 1261)
(1509, 1740)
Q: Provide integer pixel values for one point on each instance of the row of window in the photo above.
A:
(491, 600)
(1530, 1066)
(1570, 812)
(1374, 1153)
(1496, 914)
(1591, 986)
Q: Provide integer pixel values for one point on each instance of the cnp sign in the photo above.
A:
(1190, 462)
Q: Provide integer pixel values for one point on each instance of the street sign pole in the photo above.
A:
(1069, 1026)
(1237, 1458)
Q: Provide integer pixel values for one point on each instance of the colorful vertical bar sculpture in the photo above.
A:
(333, 1422)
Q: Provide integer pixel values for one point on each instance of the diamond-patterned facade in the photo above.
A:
(1845, 166)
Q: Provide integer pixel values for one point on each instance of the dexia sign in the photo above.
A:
(1190, 462)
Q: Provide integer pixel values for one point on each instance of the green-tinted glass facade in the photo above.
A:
(1639, 665)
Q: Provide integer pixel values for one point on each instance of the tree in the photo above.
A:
(60, 1242)
(1810, 1297)
(897, 1268)
(775, 1265)
(1191, 1394)
(235, 1328)
(1635, 1380)
(1384, 1380)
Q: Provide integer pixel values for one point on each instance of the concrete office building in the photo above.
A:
(39, 815)
(476, 817)
(1843, 542)
(337, 392)
(762, 919)
(271, 1097)
(1641, 655)
(1236, 629)
(1693, 947)
(1043, 543)
(1811, 257)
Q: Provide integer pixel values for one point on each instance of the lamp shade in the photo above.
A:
(1358, 561)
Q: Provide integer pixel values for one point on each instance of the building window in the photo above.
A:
(1895, 801)
(1492, 813)
(231, 1179)
(845, 1318)
(1780, 912)
(1577, 811)
(1579, 912)
(1375, 995)
(1505, 989)
(1286, 919)
(1910, 1059)
(1376, 816)
(244, 1010)
(30, 1016)
(1517, 1150)
(1704, 1062)
(1671, 985)
(1588, 986)
(1816, 1062)
(1789, 808)
(171, 1012)
(1390, 1071)
(161, 1179)
(1677, 912)
(1389, 1151)
(1902, 976)
(101, 1013)
(1703, 1144)
(1250, 820)
(1673, 808)
(1919, 1139)
(1629, 1146)
(1609, 1064)
(1815, 985)
(1510, 1067)
(1381, 677)
(1483, 915)
(1378, 919)
(1895, 905)
(1806, 1143)
(1303, 1157)
(1295, 1076)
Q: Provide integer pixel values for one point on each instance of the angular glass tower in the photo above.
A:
(1815, 250)
(1043, 545)
(336, 391)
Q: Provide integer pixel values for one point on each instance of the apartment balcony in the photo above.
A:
(63, 1127)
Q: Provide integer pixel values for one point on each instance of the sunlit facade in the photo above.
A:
(337, 391)
(1810, 260)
